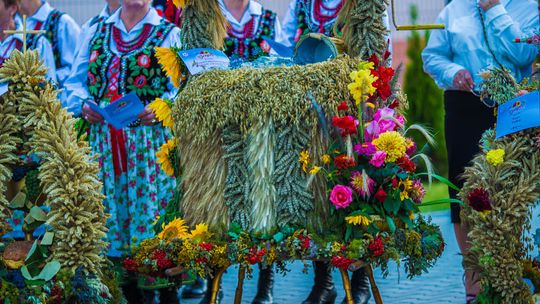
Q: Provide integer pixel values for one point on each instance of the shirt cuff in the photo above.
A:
(494, 12)
(449, 75)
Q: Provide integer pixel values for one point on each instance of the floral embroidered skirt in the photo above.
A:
(139, 194)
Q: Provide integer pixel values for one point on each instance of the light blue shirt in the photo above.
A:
(86, 26)
(75, 85)
(254, 9)
(68, 35)
(42, 46)
(290, 23)
(462, 45)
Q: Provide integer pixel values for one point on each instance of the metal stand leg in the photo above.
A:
(240, 286)
(346, 286)
(374, 288)
(215, 285)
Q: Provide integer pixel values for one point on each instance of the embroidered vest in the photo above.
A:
(140, 71)
(255, 46)
(50, 27)
(306, 24)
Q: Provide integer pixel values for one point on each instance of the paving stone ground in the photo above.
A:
(443, 284)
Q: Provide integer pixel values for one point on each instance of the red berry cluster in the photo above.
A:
(305, 241)
(341, 262)
(255, 256)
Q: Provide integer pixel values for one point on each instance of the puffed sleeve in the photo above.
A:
(290, 24)
(437, 56)
(69, 32)
(45, 50)
(76, 91)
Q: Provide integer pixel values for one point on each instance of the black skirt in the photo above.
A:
(466, 118)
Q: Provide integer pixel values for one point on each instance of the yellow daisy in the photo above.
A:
(176, 229)
(393, 144)
(314, 170)
(170, 63)
(304, 160)
(162, 109)
(358, 220)
(326, 159)
(163, 156)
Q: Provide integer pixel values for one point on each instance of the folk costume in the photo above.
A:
(112, 63)
(62, 32)
(246, 37)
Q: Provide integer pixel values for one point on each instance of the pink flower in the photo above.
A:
(341, 196)
(357, 182)
(143, 61)
(378, 159)
(383, 123)
(365, 149)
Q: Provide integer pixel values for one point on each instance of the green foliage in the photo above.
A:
(425, 98)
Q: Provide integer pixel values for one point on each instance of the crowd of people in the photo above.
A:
(113, 54)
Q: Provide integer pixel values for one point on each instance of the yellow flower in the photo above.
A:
(326, 159)
(393, 144)
(358, 220)
(176, 229)
(179, 3)
(495, 157)
(314, 170)
(170, 63)
(404, 187)
(362, 86)
(304, 160)
(163, 156)
(163, 112)
(200, 232)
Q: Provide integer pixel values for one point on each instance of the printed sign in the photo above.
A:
(203, 60)
(4, 87)
(122, 112)
(518, 114)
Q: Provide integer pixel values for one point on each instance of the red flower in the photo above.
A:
(394, 104)
(343, 106)
(374, 59)
(381, 195)
(406, 164)
(305, 241)
(94, 55)
(164, 263)
(201, 260)
(143, 61)
(206, 246)
(376, 247)
(382, 84)
(395, 183)
(343, 162)
(140, 81)
(265, 46)
(255, 256)
(346, 124)
(479, 200)
(130, 264)
(341, 262)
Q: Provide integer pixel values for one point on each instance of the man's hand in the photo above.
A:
(147, 117)
(463, 81)
(487, 4)
(90, 115)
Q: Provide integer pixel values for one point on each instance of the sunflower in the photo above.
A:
(393, 144)
(358, 220)
(405, 186)
(176, 229)
(164, 157)
(200, 232)
(170, 63)
(162, 109)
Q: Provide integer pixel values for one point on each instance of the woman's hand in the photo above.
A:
(487, 4)
(463, 81)
(147, 117)
(90, 115)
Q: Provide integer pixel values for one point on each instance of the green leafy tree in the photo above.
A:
(426, 104)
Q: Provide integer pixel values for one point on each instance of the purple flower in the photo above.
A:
(366, 149)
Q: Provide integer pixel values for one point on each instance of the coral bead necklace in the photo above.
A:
(321, 18)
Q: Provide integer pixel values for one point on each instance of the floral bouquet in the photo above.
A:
(371, 172)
